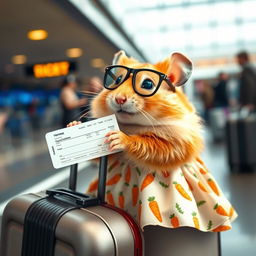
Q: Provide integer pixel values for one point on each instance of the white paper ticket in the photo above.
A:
(82, 142)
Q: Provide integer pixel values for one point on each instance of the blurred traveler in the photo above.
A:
(247, 82)
(32, 110)
(70, 102)
(94, 86)
(206, 94)
(4, 110)
(220, 91)
(218, 114)
(233, 92)
(3, 119)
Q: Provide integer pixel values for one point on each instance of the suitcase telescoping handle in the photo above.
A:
(102, 177)
(80, 199)
(73, 177)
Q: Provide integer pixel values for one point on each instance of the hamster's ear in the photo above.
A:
(180, 69)
(118, 57)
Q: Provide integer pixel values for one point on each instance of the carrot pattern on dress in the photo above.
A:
(154, 207)
(128, 176)
(174, 221)
(186, 196)
(121, 200)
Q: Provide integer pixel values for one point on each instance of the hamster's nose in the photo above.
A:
(120, 100)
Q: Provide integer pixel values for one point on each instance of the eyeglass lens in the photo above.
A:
(146, 82)
(114, 77)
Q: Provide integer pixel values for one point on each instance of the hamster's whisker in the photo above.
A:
(166, 128)
(150, 116)
(86, 113)
(88, 93)
(86, 109)
(145, 114)
(86, 106)
(83, 115)
(90, 96)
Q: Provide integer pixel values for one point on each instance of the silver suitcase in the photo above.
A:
(84, 226)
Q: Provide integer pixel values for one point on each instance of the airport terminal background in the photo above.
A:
(82, 37)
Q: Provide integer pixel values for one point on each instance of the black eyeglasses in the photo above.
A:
(145, 82)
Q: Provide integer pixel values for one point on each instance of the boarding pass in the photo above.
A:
(81, 142)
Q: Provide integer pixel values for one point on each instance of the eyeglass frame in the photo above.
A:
(134, 71)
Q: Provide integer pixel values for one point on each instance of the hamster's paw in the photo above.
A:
(74, 123)
(116, 140)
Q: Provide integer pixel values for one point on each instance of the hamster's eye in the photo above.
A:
(119, 79)
(147, 84)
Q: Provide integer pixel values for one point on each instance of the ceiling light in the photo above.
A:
(97, 63)
(39, 34)
(74, 52)
(19, 59)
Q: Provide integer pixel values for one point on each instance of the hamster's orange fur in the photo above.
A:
(162, 131)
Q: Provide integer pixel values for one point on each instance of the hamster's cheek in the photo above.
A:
(111, 104)
(99, 106)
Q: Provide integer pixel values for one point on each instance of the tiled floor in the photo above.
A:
(24, 165)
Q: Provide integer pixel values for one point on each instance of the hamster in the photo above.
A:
(158, 132)
(158, 177)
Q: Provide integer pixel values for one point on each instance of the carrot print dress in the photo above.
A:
(187, 196)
